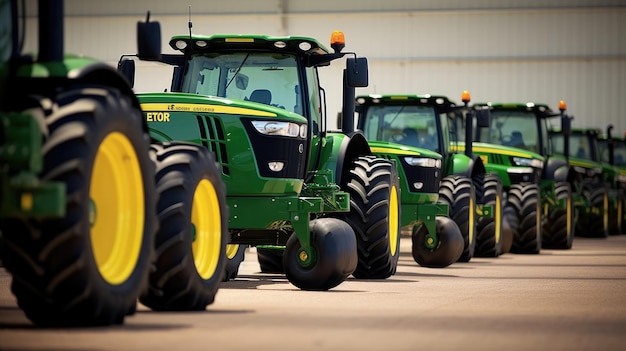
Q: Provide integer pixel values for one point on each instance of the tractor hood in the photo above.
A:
(383, 147)
(485, 148)
(183, 102)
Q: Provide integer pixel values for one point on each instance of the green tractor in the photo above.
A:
(319, 206)
(78, 200)
(612, 151)
(592, 182)
(537, 181)
(79, 197)
(458, 181)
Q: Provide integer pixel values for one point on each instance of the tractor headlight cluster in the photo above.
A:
(423, 162)
(621, 178)
(278, 128)
(528, 162)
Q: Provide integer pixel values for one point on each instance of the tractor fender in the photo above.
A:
(340, 149)
(556, 169)
(467, 166)
(105, 75)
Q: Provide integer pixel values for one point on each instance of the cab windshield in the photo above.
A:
(512, 128)
(403, 124)
(267, 78)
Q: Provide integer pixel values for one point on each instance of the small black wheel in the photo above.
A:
(489, 237)
(88, 267)
(459, 194)
(335, 256)
(235, 254)
(374, 215)
(558, 230)
(270, 259)
(440, 252)
(523, 200)
(191, 241)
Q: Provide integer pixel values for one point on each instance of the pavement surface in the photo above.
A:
(557, 300)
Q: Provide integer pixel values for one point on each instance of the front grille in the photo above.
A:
(429, 177)
(212, 135)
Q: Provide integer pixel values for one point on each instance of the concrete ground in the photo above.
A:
(557, 300)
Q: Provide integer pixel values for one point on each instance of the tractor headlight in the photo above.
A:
(288, 129)
(423, 162)
(528, 162)
(621, 178)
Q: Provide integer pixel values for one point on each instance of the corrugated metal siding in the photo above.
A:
(535, 50)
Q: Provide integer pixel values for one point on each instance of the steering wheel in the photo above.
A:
(397, 137)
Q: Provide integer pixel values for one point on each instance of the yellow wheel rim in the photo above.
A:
(206, 218)
(117, 208)
(471, 227)
(231, 251)
(498, 220)
(393, 221)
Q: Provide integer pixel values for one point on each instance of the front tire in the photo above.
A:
(374, 215)
(191, 241)
(88, 267)
(558, 230)
(459, 194)
(523, 200)
(489, 238)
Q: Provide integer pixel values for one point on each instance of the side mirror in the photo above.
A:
(148, 40)
(126, 67)
(566, 125)
(357, 72)
(483, 117)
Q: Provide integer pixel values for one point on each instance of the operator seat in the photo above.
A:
(262, 96)
(516, 139)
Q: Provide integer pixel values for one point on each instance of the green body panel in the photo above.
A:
(417, 207)
(23, 193)
(179, 115)
(55, 69)
(498, 159)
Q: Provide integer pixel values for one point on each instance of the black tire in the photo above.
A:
(558, 230)
(270, 260)
(507, 235)
(489, 229)
(88, 267)
(459, 194)
(523, 200)
(335, 250)
(593, 220)
(616, 212)
(235, 254)
(191, 241)
(374, 215)
(445, 251)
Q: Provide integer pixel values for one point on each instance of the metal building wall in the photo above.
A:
(517, 51)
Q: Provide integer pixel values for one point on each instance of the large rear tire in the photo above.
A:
(489, 237)
(459, 194)
(374, 215)
(191, 241)
(445, 251)
(89, 267)
(523, 199)
(334, 249)
(558, 230)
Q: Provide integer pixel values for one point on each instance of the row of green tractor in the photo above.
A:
(110, 197)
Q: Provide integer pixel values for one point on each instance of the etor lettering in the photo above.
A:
(158, 117)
